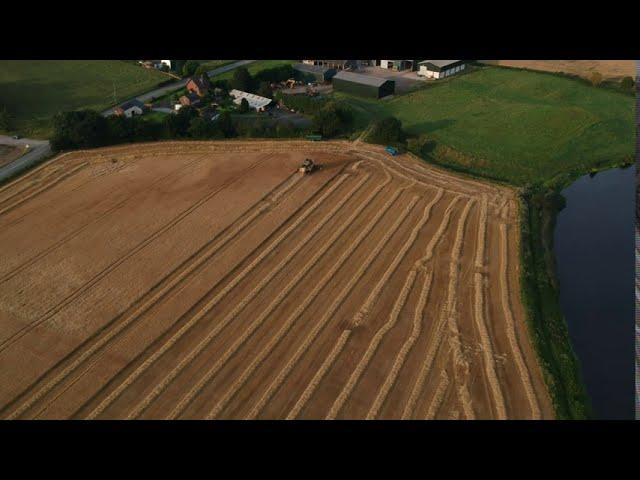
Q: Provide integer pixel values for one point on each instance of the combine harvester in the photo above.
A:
(308, 167)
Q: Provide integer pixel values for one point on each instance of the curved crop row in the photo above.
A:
(510, 326)
(204, 310)
(438, 396)
(404, 350)
(372, 347)
(284, 329)
(320, 324)
(382, 282)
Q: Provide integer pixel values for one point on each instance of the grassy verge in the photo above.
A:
(540, 296)
(34, 91)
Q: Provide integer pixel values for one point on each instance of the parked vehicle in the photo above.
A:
(391, 150)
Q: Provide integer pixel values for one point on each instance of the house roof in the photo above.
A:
(132, 103)
(201, 81)
(439, 63)
(255, 101)
(360, 78)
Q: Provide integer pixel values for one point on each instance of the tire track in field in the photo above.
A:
(74, 233)
(404, 350)
(103, 273)
(317, 328)
(156, 294)
(372, 347)
(438, 329)
(510, 326)
(44, 187)
(479, 315)
(204, 309)
(274, 340)
(382, 282)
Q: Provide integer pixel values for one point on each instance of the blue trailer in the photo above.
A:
(391, 150)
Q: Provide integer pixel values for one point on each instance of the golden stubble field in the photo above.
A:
(211, 280)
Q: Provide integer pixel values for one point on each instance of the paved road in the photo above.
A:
(38, 149)
(159, 92)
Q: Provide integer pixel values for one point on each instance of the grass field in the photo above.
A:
(34, 91)
(211, 64)
(516, 126)
(255, 67)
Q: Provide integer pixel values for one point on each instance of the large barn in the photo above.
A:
(440, 68)
(363, 85)
(320, 73)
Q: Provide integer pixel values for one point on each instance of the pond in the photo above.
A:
(595, 254)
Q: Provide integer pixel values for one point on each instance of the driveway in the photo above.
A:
(38, 150)
(159, 92)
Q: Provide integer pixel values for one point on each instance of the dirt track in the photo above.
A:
(210, 280)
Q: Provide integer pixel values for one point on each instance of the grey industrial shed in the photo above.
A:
(320, 73)
(363, 85)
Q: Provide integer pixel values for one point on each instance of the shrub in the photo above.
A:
(333, 119)
(387, 130)
(627, 83)
(242, 80)
(596, 78)
(244, 106)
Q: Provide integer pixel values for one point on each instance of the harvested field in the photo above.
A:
(211, 280)
(609, 69)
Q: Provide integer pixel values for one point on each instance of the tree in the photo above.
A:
(244, 106)
(242, 80)
(224, 123)
(385, 131)
(190, 68)
(627, 83)
(200, 128)
(6, 119)
(178, 125)
(596, 78)
(285, 129)
(332, 119)
(201, 70)
(265, 90)
(79, 129)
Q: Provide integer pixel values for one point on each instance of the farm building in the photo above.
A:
(397, 64)
(130, 108)
(337, 64)
(363, 85)
(199, 85)
(192, 100)
(255, 101)
(440, 68)
(320, 73)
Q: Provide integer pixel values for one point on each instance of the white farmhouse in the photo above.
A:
(440, 68)
(166, 62)
(255, 101)
(129, 109)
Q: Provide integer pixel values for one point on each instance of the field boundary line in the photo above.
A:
(204, 309)
(373, 346)
(510, 325)
(284, 329)
(103, 273)
(155, 294)
(392, 376)
(64, 176)
(77, 231)
(33, 171)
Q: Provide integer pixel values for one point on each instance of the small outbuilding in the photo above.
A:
(130, 108)
(397, 65)
(320, 73)
(363, 85)
(191, 100)
(256, 102)
(440, 68)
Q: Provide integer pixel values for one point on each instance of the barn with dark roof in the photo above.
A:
(363, 85)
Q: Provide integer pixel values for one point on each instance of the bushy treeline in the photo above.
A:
(89, 129)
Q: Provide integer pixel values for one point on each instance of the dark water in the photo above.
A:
(594, 247)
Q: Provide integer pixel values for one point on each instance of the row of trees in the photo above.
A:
(6, 119)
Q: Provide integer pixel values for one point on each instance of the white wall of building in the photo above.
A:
(129, 112)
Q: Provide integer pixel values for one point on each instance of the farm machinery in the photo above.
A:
(308, 166)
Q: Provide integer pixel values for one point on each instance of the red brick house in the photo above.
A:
(199, 85)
